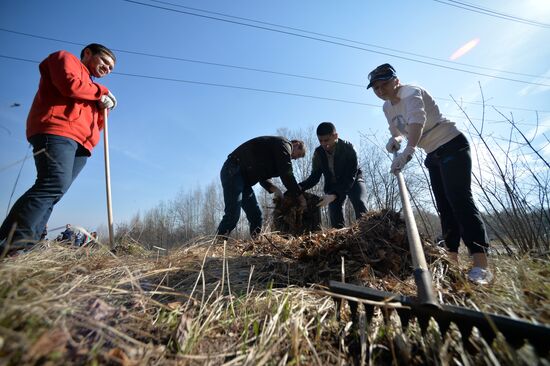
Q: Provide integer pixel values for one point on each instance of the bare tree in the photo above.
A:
(511, 185)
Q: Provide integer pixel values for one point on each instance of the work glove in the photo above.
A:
(108, 101)
(326, 199)
(401, 159)
(394, 144)
(277, 193)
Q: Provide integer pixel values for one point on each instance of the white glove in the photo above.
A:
(277, 193)
(326, 199)
(401, 159)
(394, 144)
(108, 101)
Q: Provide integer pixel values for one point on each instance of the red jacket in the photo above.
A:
(66, 101)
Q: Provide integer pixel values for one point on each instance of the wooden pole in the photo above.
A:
(108, 179)
(415, 244)
(422, 275)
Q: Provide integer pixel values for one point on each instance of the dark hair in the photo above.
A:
(96, 48)
(325, 128)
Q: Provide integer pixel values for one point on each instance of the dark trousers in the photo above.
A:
(450, 168)
(236, 195)
(358, 198)
(56, 169)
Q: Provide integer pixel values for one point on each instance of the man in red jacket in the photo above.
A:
(63, 127)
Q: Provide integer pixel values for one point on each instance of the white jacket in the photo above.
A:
(417, 106)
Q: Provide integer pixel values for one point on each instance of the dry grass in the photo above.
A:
(248, 303)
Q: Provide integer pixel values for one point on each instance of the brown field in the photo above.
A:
(260, 302)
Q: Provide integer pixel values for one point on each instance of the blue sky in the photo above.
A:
(171, 135)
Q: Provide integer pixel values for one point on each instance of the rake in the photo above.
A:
(108, 178)
(425, 306)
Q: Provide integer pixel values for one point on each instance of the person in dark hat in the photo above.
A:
(412, 114)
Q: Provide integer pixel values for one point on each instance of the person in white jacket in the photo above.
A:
(413, 114)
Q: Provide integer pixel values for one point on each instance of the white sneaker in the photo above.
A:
(480, 276)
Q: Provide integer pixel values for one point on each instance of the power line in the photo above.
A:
(220, 85)
(492, 13)
(229, 86)
(331, 42)
(334, 43)
(495, 105)
(307, 77)
(353, 41)
(41, 37)
(190, 60)
(247, 88)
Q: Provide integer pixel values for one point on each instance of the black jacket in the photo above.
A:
(266, 157)
(346, 169)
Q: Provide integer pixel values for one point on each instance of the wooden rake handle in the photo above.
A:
(422, 275)
(108, 179)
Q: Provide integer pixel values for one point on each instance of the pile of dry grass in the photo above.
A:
(244, 303)
(374, 249)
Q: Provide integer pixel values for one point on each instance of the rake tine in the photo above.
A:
(353, 307)
(404, 316)
(488, 334)
(465, 330)
(444, 326)
(369, 312)
(423, 322)
(338, 304)
(515, 331)
(363, 338)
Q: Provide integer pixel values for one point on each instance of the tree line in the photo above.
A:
(510, 184)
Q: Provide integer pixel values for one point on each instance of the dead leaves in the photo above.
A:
(100, 310)
(120, 357)
(52, 343)
(289, 218)
(378, 240)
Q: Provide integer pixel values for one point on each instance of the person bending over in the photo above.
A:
(257, 160)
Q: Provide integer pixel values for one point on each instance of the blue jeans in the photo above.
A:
(358, 197)
(236, 195)
(450, 168)
(56, 168)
